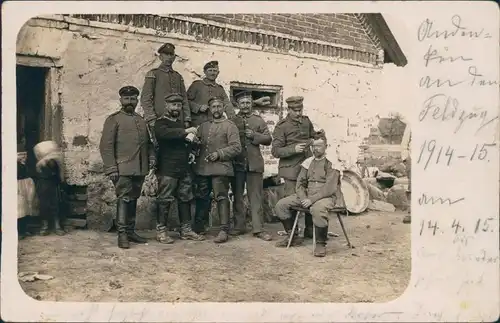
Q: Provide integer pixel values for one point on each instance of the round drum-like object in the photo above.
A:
(355, 191)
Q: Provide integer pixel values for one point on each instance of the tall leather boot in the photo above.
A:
(161, 223)
(223, 208)
(121, 223)
(288, 226)
(308, 230)
(187, 233)
(321, 236)
(131, 215)
(202, 208)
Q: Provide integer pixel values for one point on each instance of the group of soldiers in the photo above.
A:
(199, 147)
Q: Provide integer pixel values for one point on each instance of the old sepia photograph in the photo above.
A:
(213, 158)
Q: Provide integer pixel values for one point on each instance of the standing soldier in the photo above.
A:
(220, 144)
(174, 177)
(159, 83)
(291, 138)
(203, 90)
(126, 153)
(249, 166)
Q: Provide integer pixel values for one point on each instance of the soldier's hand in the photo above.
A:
(249, 133)
(300, 148)
(152, 164)
(113, 177)
(306, 203)
(187, 124)
(191, 158)
(213, 156)
(192, 130)
(204, 108)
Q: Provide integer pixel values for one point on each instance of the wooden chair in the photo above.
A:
(339, 208)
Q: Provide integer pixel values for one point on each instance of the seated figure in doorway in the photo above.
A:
(317, 185)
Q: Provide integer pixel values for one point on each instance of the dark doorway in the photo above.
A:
(30, 111)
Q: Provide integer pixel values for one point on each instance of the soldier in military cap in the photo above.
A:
(127, 155)
(220, 144)
(161, 81)
(174, 176)
(202, 90)
(291, 138)
(249, 166)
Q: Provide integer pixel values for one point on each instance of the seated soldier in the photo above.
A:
(316, 189)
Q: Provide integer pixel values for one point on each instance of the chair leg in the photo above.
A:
(314, 239)
(293, 229)
(343, 230)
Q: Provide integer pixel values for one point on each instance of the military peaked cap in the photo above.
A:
(211, 64)
(295, 102)
(174, 97)
(167, 48)
(215, 98)
(128, 91)
(242, 94)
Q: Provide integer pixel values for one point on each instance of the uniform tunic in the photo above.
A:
(158, 83)
(250, 158)
(287, 134)
(318, 181)
(173, 150)
(199, 93)
(219, 136)
(174, 176)
(125, 147)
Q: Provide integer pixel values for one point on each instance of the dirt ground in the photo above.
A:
(88, 266)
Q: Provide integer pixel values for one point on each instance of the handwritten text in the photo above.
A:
(457, 29)
(441, 107)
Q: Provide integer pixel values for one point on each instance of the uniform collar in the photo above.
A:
(244, 115)
(165, 67)
(170, 118)
(299, 120)
(208, 82)
(129, 114)
(219, 120)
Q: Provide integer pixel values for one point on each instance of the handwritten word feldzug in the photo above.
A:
(442, 107)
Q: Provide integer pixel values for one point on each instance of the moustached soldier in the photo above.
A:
(127, 154)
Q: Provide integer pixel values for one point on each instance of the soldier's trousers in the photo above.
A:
(128, 188)
(170, 189)
(128, 191)
(289, 189)
(255, 192)
(220, 187)
(319, 210)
